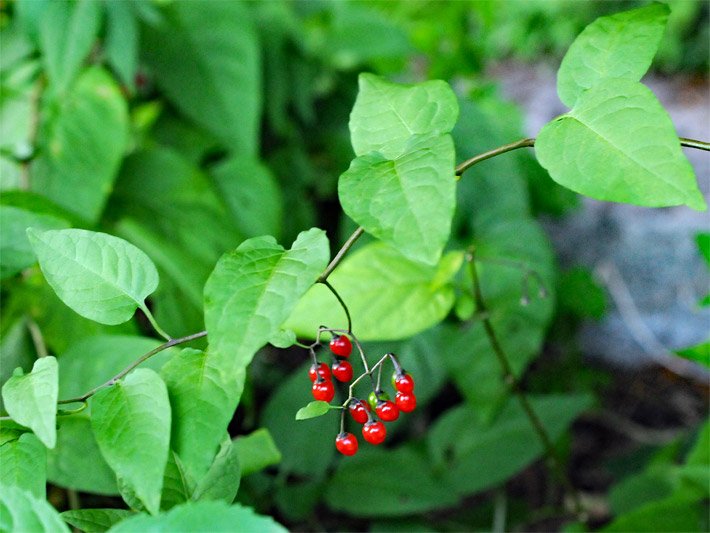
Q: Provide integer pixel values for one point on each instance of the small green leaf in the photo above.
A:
(256, 451)
(669, 514)
(389, 296)
(24, 465)
(101, 277)
(122, 39)
(699, 353)
(15, 250)
(703, 242)
(312, 410)
(284, 338)
(386, 115)
(21, 511)
(213, 516)
(202, 400)
(618, 144)
(407, 201)
(178, 485)
(67, 33)
(131, 422)
(95, 520)
(621, 45)
(222, 479)
(31, 400)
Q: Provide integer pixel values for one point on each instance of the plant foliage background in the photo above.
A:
(174, 136)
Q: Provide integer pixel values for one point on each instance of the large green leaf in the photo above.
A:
(202, 399)
(472, 456)
(95, 520)
(15, 250)
(76, 462)
(81, 144)
(21, 511)
(131, 422)
(206, 59)
(621, 45)
(407, 201)
(99, 276)
(253, 289)
(31, 400)
(222, 479)
(122, 40)
(24, 465)
(178, 485)
(669, 514)
(67, 33)
(388, 295)
(618, 144)
(386, 115)
(256, 451)
(210, 516)
(387, 483)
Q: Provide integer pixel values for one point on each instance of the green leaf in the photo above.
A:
(284, 338)
(178, 485)
(252, 195)
(253, 289)
(76, 462)
(131, 422)
(202, 399)
(222, 479)
(67, 33)
(210, 516)
(618, 144)
(699, 353)
(389, 296)
(24, 465)
(386, 115)
(31, 400)
(95, 520)
(472, 456)
(122, 40)
(407, 201)
(15, 250)
(669, 514)
(703, 242)
(206, 59)
(387, 483)
(81, 144)
(621, 45)
(21, 511)
(312, 410)
(101, 277)
(256, 451)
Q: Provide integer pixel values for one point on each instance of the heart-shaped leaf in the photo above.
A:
(312, 410)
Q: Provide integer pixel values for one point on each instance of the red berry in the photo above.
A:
(404, 383)
(346, 443)
(322, 371)
(342, 371)
(358, 410)
(340, 345)
(387, 411)
(374, 432)
(406, 401)
(323, 390)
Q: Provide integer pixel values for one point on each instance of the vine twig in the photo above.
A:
(341, 253)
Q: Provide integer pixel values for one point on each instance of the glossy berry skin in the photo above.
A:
(341, 346)
(358, 410)
(342, 371)
(387, 411)
(403, 383)
(374, 432)
(406, 401)
(322, 371)
(323, 390)
(346, 443)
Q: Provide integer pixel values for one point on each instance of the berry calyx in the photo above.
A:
(342, 371)
(346, 443)
(403, 382)
(387, 411)
(321, 369)
(374, 432)
(406, 401)
(358, 410)
(341, 346)
(323, 390)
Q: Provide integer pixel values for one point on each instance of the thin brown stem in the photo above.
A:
(522, 143)
(693, 143)
(342, 304)
(134, 364)
(341, 253)
(514, 383)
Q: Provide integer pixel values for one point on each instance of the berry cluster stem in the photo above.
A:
(510, 378)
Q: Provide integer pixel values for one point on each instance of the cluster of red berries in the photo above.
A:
(361, 411)
(342, 370)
